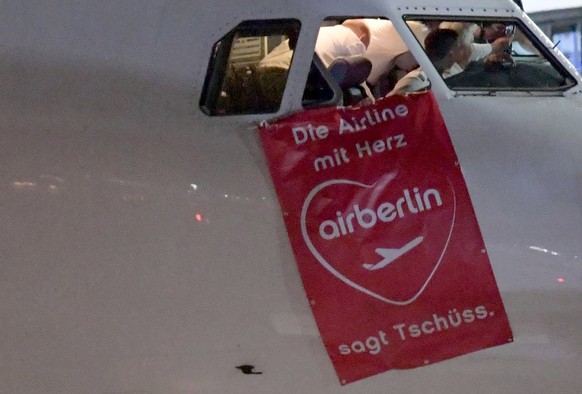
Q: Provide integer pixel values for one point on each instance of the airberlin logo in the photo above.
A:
(411, 201)
(386, 212)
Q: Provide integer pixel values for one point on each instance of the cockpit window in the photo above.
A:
(248, 68)
(363, 56)
(341, 53)
(491, 55)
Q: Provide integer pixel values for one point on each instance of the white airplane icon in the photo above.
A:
(390, 255)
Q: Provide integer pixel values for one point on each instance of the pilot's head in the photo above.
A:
(440, 46)
(489, 32)
(466, 32)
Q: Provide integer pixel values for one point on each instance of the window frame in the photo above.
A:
(218, 63)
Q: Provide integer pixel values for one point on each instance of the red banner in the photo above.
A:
(385, 236)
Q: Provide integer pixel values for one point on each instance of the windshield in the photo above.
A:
(491, 55)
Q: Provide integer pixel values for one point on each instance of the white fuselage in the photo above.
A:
(142, 244)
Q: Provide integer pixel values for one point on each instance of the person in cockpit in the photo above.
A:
(350, 38)
(441, 46)
(387, 52)
(469, 50)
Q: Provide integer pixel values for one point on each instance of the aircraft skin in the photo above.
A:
(142, 245)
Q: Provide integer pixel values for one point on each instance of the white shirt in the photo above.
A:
(414, 81)
(478, 51)
(337, 41)
(386, 45)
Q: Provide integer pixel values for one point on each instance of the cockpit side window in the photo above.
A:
(248, 68)
(339, 59)
(491, 55)
(363, 57)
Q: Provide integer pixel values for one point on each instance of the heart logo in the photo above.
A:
(384, 240)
